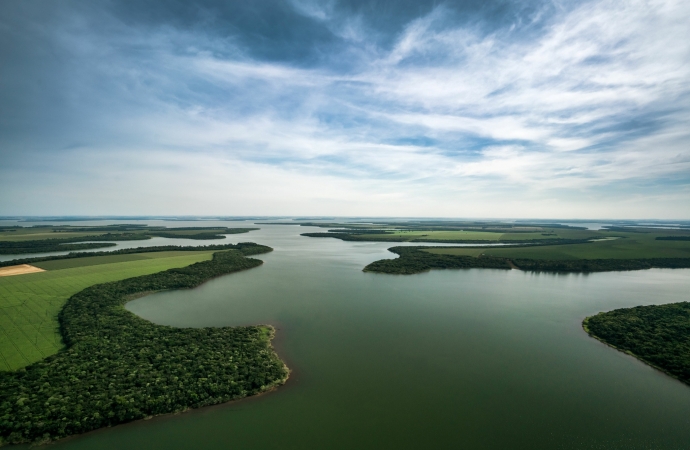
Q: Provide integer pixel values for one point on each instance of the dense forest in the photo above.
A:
(658, 335)
(599, 265)
(124, 251)
(415, 260)
(118, 367)
(366, 235)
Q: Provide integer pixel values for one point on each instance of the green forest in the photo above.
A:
(657, 335)
(117, 367)
(421, 259)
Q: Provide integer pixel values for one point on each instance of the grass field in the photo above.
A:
(29, 303)
(29, 234)
(445, 235)
(455, 232)
(627, 246)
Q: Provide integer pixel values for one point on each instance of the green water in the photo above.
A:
(475, 359)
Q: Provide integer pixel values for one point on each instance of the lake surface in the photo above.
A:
(467, 359)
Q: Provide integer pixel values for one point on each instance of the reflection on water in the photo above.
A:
(476, 359)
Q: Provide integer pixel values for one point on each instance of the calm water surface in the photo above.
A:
(471, 359)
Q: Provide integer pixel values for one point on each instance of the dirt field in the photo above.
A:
(18, 270)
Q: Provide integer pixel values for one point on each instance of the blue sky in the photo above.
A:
(540, 109)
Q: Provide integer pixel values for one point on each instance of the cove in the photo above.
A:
(476, 359)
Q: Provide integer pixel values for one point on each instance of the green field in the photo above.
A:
(28, 234)
(443, 235)
(624, 246)
(29, 303)
(455, 232)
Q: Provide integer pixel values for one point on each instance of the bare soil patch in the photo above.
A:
(18, 270)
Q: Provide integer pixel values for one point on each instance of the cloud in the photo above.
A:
(578, 107)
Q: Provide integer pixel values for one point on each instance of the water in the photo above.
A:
(472, 359)
(160, 241)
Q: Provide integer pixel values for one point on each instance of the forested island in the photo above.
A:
(658, 335)
(50, 238)
(117, 367)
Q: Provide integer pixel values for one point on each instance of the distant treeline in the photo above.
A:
(412, 260)
(50, 245)
(118, 367)
(415, 260)
(124, 251)
(600, 265)
(127, 234)
(658, 335)
(673, 238)
(438, 225)
(365, 235)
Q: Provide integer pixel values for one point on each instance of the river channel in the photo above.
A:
(466, 359)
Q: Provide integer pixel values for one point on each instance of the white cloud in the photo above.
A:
(597, 99)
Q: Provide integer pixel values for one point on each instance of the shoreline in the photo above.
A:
(167, 416)
(629, 353)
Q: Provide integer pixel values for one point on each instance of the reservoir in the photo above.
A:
(467, 359)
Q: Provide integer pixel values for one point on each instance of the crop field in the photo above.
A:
(29, 303)
(625, 246)
(446, 235)
(31, 233)
(451, 232)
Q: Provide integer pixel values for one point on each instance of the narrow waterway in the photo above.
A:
(470, 359)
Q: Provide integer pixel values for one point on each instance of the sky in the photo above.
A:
(495, 109)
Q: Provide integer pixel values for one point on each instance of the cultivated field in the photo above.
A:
(29, 303)
(619, 245)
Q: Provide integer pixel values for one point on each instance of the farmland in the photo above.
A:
(29, 303)
(461, 232)
(612, 245)
(48, 238)
(608, 250)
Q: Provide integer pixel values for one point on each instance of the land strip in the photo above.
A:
(118, 367)
(422, 259)
(50, 238)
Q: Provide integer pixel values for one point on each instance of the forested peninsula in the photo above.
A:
(657, 335)
(420, 259)
(117, 367)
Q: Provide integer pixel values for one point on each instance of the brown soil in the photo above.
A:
(18, 270)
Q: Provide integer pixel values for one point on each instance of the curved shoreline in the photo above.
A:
(653, 328)
(119, 368)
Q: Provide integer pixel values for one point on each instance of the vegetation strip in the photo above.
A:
(30, 304)
(78, 238)
(418, 259)
(390, 237)
(118, 367)
(124, 251)
(657, 335)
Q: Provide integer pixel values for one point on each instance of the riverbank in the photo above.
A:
(118, 367)
(414, 260)
(658, 335)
